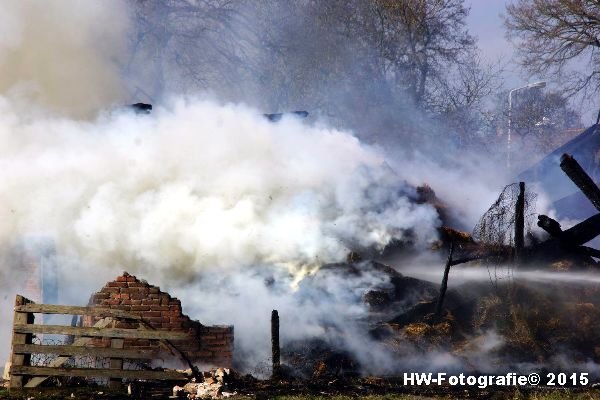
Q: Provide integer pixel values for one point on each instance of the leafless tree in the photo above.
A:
(181, 45)
(559, 37)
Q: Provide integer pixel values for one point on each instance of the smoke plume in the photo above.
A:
(62, 56)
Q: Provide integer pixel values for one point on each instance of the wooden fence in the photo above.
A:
(23, 374)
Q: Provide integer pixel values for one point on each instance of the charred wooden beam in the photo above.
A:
(588, 251)
(520, 224)
(277, 116)
(444, 286)
(580, 178)
(584, 231)
(572, 238)
(577, 235)
(275, 349)
(550, 225)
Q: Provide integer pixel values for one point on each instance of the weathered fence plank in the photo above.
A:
(74, 310)
(101, 332)
(106, 373)
(115, 364)
(69, 350)
(37, 380)
(22, 348)
(18, 360)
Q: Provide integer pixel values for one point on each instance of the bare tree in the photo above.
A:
(560, 37)
(461, 99)
(421, 38)
(181, 45)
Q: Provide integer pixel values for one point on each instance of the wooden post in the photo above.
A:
(115, 363)
(444, 286)
(17, 360)
(275, 350)
(520, 224)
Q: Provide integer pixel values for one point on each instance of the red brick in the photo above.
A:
(216, 342)
(149, 314)
(110, 290)
(122, 279)
(156, 322)
(117, 284)
(140, 308)
(203, 353)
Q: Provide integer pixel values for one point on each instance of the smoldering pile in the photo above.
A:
(497, 316)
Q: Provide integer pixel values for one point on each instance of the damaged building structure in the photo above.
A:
(210, 346)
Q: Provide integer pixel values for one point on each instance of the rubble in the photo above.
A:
(214, 386)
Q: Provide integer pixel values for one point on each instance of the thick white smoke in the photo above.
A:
(62, 55)
(199, 186)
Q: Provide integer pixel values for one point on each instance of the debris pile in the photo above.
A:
(215, 385)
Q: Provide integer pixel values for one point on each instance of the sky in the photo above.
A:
(485, 22)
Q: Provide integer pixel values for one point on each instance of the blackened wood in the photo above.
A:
(275, 349)
(444, 286)
(550, 225)
(580, 178)
(583, 232)
(520, 223)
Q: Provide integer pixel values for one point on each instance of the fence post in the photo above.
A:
(275, 350)
(16, 382)
(520, 224)
(115, 363)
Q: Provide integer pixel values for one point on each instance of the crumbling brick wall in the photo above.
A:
(213, 345)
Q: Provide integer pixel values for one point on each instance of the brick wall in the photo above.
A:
(213, 344)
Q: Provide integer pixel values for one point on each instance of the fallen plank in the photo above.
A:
(91, 372)
(101, 332)
(68, 350)
(73, 310)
